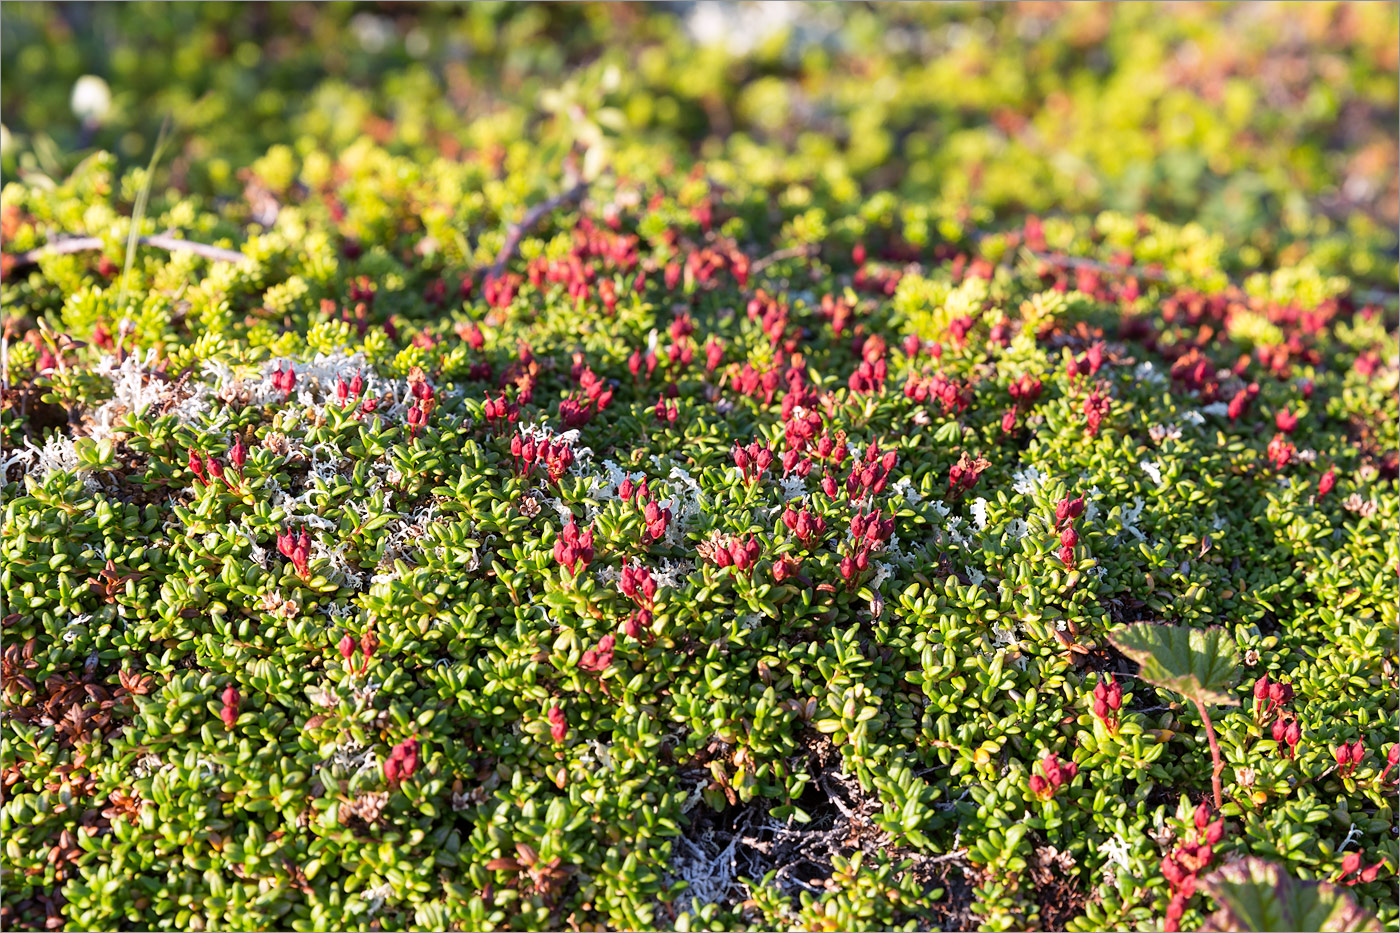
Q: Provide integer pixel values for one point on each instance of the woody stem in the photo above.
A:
(1218, 763)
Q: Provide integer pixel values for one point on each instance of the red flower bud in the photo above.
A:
(1324, 485)
(346, 646)
(558, 725)
(1293, 734)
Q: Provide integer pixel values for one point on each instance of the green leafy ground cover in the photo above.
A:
(601, 478)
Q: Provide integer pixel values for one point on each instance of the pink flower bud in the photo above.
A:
(238, 454)
(346, 646)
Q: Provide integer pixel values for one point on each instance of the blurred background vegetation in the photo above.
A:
(1271, 124)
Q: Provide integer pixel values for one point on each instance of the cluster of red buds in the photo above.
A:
(1055, 776)
(1108, 700)
(870, 530)
(665, 412)
(348, 650)
(914, 345)
(238, 455)
(741, 553)
(558, 725)
(599, 658)
(499, 291)
(1286, 421)
(832, 448)
(714, 354)
(751, 383)
(636, 361)
(423, 402)
(1182, 868)
(499, 413)
(1270, 697)
(1352, 872)
(576, 412)
(637, 585)
(231, 700)
(958, 329)
(880, 281)
(403, 761)
(297, 549)
(839, 311)
(654, 517)
(1280, 451)
(555, 455)
(752, 460)
(1348, 756)
(1287, 733)
(801, 423)
(346, 392)
(953, 396)
(1087, 364)
(772, 314)
(870, 533)
(1066, 511)
(870, 473)
(1024, 393)
(807, 527)
(786, 567)
(869, 377)
(471, 332)
(284, 381)
(573, 549)
(962, 476)
(1241, 400)
(1096, 408)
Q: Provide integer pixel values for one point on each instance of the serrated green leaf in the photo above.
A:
(1200, 664)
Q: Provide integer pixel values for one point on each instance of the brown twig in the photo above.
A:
(83, 244)
(533, 216)
(792, 252)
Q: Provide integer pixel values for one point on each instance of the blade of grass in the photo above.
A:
(138, 211)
